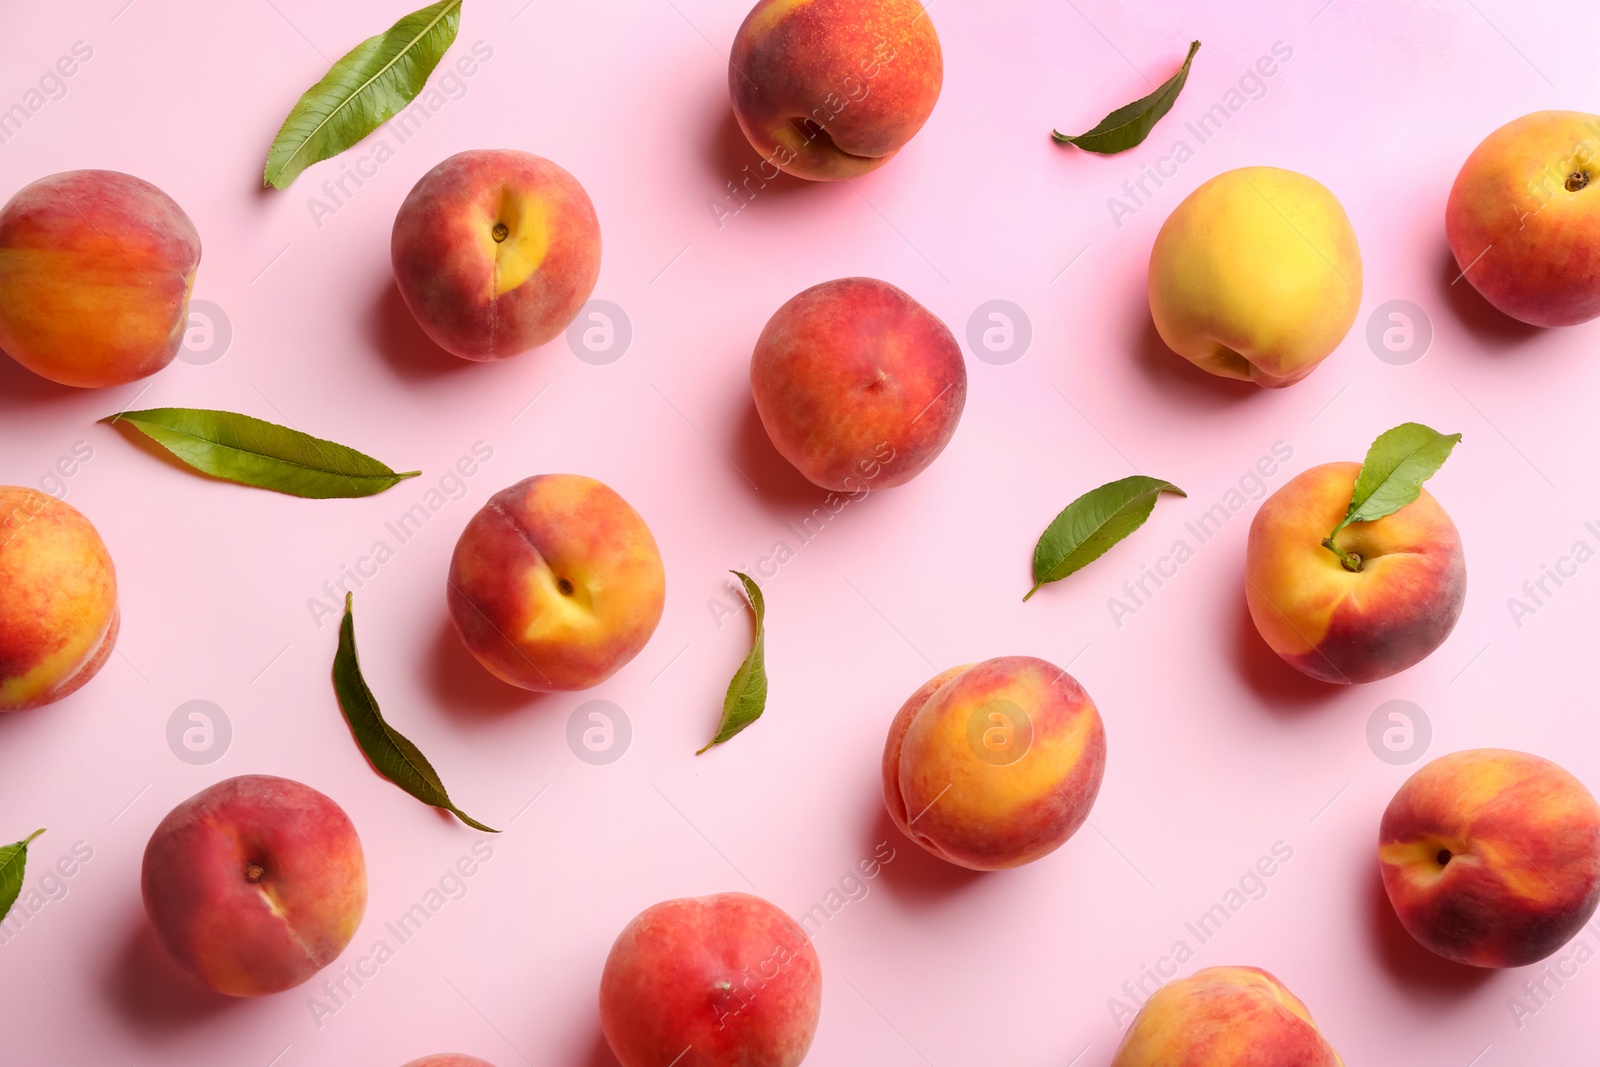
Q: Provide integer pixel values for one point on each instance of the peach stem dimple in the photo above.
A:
(1443, 857)
(565, 586)
(500, 232)
(1577, 180)
(254, 872)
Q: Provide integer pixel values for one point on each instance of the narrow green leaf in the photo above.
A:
(1091, 524)
(248, 451)
(390, 752)
(1130, 124)
(1397, 464)
(374, 82)
(13, 862)
(747, 692)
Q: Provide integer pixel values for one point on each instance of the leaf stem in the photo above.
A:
(1351, 561)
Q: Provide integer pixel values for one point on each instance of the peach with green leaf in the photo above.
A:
(1354, 572)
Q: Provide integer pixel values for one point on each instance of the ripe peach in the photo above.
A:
(1225, 1017)
(996, 764)
(1256, 275)
(831, 89)
(1523, 218)
(858, 384)
(95, 272)
(710, 982)
(58, 599)
(1345, 626)
(255, 884)
(495, 252)
(1492, 858)
(556, 583)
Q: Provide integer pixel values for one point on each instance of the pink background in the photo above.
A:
(1217, 751)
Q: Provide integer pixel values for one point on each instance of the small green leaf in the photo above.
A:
(374, 81)
(747, 692)
(13, 862)
(1397, 464)
(1091, 524)
(248, 451)
(390, 752)
(1130, 124)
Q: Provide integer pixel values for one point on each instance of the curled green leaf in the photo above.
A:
(13, 863)
(747, 691)
(1130, 124)
(1088, 527)
(246, 450)
(390, 752)
(371, 84)
(1391, 477)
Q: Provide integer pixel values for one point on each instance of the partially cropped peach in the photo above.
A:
(495, 252)
(1340, 625)
(858, 385)
(712, 981)
(996, 764)
(831, 89)
(1225, 1017)
(1523, 218)
(58, 599)
(1492, 857)
(449, 1059)
(255, 884)
(556, 583)
(95, 272)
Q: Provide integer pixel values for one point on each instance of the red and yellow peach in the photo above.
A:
(1523, 218)
(556, 583)
(95, 272)
(1225, 1017)
(58, 599)
(996, 764)
(858, 383)
(709, 982)
(495, 252)
(255, 884)
(832, 89)
(1492, 858)
(1340, 625)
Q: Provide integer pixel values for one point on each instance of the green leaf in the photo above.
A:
(374, 81)
(13, 862)
(747, 692)
(390, 752)
(1397, 464)
(248, 451)
(1091, 524)
(1131, 124)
